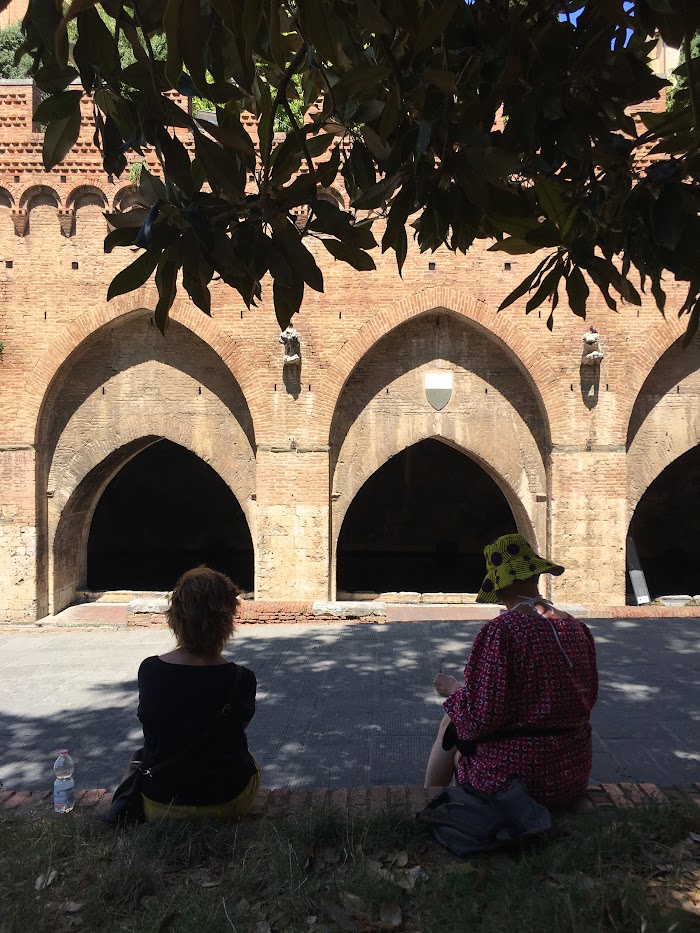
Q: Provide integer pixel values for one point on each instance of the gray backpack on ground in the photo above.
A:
(467, 821)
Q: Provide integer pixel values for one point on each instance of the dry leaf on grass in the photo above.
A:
(45, 879)
(400, 859)
(71, 907)
(375, 869)
(354, 904)
(202, 877)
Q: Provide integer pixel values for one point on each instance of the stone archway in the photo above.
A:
(162, 513)
(665, 527)
(122, 390)
(665, 419)
(493, 416)
(420, 524)
(663, 471)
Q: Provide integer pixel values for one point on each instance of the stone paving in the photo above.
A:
(339, 705)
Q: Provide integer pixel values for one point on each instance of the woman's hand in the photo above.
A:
(445, 684)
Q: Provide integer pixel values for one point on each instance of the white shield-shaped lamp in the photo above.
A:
(438, 389)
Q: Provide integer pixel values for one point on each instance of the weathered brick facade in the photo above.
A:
(85, 385)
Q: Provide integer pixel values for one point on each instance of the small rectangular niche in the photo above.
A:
(9, 263)
(74, 265)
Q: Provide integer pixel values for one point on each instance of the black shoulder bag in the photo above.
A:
(127, 800)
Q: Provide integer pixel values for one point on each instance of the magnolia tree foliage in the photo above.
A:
(454, 120)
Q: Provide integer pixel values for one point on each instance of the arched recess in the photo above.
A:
(41, 203)
(493, 416)
(665, 527)
(665, 419)
(39, 196)
(145, 514)
(89, 204)
(36, 389)
(123, 388)
(420, 522)
(126, 198)
(543, 381)
(85, 196)
(663, 470)
(6, 199)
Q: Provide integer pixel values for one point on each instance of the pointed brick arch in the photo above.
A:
(519, 346)
(640, 365)
(47, 367)
(82, 483)
(664, 421)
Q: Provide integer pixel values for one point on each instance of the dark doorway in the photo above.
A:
(164, 512)
(420, 523)
(666, 528)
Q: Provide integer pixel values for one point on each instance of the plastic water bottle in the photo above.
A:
(64, 785)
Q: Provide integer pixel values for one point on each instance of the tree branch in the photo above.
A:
(301, 139)
(149, 47)
(281, 93)
(692, 87)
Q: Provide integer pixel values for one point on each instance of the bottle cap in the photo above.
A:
(63, 751)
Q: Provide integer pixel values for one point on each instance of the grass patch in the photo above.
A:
(623, 870)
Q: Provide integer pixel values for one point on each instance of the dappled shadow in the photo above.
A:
(339, 705)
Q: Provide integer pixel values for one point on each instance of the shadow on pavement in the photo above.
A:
(348, 705)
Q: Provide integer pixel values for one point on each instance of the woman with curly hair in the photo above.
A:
(195, 706)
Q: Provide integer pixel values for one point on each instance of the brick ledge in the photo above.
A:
(362, 800)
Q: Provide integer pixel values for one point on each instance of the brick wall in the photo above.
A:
(295, 455)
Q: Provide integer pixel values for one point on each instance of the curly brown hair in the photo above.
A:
(202, 608)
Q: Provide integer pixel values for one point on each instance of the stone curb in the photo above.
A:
(359, 800)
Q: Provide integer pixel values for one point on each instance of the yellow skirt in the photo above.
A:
(231, 810)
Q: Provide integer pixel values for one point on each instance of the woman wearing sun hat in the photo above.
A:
(530, 684)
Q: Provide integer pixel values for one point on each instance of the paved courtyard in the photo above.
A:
(338, 705)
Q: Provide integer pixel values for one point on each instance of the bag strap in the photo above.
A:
(183, 753)
(467, 747)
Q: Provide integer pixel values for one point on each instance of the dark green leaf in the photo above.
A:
(378, 194)
(317, 145)
(328, 171)
(54, 78)
(59, 139)
(667, 216)
(58, 107)
(122, 236)
(134, 276)
(223, 173)
(288, 239)
(513, 246)
(177, 162)
(166, 282)
(357, 258)
(287, 301)
(435, 23)
(151, 188)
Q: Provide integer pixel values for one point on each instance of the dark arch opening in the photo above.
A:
(165, 511)
(420, 523)
(666, 528)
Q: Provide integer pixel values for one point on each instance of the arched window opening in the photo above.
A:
(420, 523)
(665, 528)
(164, 512)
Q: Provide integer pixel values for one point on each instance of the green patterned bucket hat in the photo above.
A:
(510, 558)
